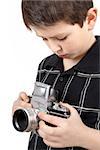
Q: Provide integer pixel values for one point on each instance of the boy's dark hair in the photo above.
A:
(48, 12)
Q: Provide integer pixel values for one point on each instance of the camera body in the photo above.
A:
(44, 99)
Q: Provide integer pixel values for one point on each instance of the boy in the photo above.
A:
(74, 70)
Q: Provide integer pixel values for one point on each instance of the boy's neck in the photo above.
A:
(69, 63)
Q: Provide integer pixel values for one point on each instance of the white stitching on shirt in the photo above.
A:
(46, 76)
(83, 94)
(36, 140)
(48, 148)
(32, 134)
(66, 87)
(53, 86)
(88, 75)
(85, 109)
(41, 68)
(97, 124)
(52, 71)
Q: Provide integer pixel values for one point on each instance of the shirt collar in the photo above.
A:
(90, 63)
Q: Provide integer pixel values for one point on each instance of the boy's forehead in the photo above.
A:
(57, 29)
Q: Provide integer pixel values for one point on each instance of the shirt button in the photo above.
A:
(61, 79)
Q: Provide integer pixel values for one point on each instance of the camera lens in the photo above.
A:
(20, 120)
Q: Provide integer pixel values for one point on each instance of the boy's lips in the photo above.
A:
(63, 56)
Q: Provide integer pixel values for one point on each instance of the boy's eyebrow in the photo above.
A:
(57, 35)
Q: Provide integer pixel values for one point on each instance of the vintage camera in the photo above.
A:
(44, 98)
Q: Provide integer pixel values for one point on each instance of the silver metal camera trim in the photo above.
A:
(43, 100)
(32, 119)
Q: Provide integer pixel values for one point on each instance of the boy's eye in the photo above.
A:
(62, 38)
(44, 39)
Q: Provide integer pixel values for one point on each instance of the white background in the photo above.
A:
(20, 53)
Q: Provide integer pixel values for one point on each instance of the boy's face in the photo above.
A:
(65, 40)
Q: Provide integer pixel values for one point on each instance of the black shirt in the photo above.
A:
(78, 86)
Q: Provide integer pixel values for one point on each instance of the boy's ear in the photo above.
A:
(91, 18)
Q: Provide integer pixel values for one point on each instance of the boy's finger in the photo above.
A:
(69, 107)
(47, 129)
(53, 120)
(23, 96)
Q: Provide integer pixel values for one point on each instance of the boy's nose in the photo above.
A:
(54, 46)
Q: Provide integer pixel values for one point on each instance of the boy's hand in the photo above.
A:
(68, 132)
(22, 101)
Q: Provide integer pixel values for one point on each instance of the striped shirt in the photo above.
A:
(78, 86)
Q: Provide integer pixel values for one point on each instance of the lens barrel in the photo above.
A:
(25, 119)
